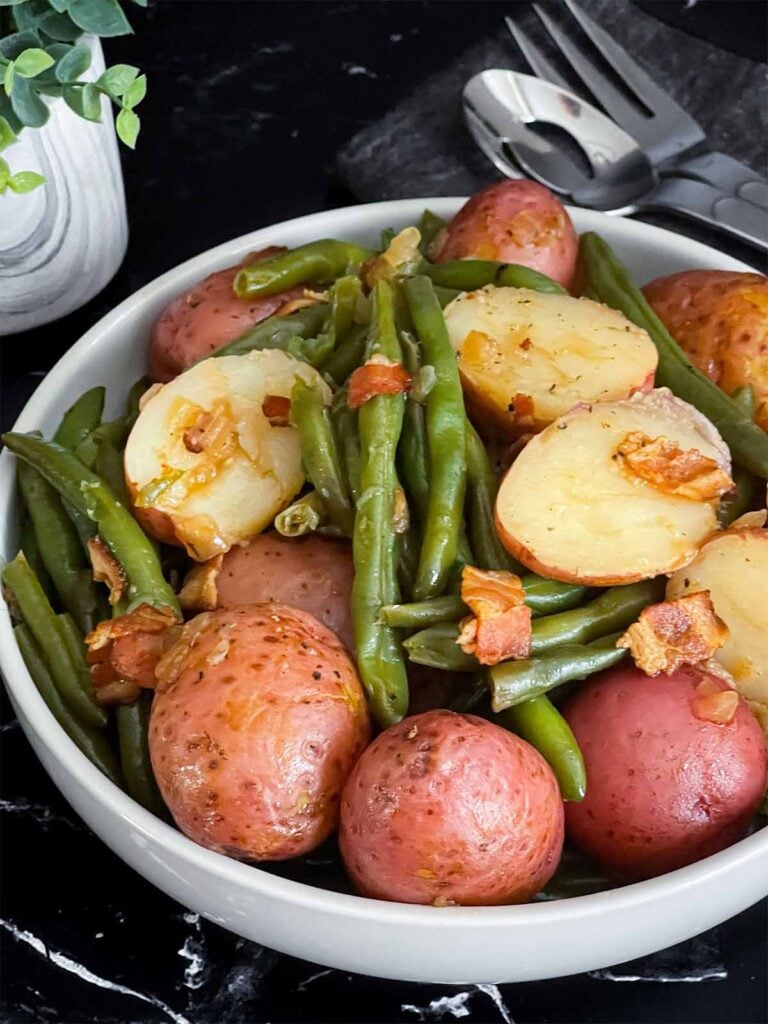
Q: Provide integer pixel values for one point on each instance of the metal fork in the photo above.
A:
(671, 138)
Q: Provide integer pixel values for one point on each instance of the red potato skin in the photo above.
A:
(207, 317)
(514, 222)
(664, 788)
(720, 318)
(313, 573)
(447, 808)
(257, 720)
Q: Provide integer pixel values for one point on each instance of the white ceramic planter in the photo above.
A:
(62, 243)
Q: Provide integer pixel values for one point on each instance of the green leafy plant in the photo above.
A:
(43, 58)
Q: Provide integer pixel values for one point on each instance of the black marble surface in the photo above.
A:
(249, 103)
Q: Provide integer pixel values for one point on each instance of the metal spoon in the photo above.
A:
(501, 106)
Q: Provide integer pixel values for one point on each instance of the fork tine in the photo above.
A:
(607, 95)
(535, 57)
(643, 86)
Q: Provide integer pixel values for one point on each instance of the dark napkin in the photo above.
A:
(421, 148)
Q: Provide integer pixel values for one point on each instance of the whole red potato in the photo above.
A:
(513, 222)
(313, 573)
(207, 317)
(666, 785)
(720, 318)
(257, 720)
(446, 808)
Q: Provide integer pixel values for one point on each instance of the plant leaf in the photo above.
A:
(128, 126)
(7, 134)
(15, 44)
(102, 17)
(6, 111)
(27, 15)
(140, 3)
(74, 63)
(25, 181)
(11, 3)
(59, 27)
(8, 78)
(59, 5)
(84, 100)
(118, 79)
(31, 62)
(27, 105)
(136, 93)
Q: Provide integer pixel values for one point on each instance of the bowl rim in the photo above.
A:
(61, 748)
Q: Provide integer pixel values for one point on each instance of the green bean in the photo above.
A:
(80, 419)
(482, 485)
(114, 432)
(324, 260)
(306, 515)
(36, 612)
(60, 549)
(412, 454)
(310, 417)
(279, 331)
(576, 875)
(446, 443)
(746, 399)
(132, 727)
(91, 742)
(436, 647)
(472, 698)
(747, 493)
(468, 275)
(385, 239)
(347, 355)
(545, 597)
(430, 226)
(542, 597)
(374, 545)
(28, 544)
(540, 723)
(610, 282)
(616, 609)
(420, 614)
(407, 558)
(109, 466)
(344, 422)
(75, 645)
(512, 682)
(347, 292)
(446, 295)
(88, 494)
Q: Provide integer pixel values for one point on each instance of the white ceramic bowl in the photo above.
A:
(464, 945)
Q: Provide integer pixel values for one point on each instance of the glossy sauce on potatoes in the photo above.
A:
(258, 717)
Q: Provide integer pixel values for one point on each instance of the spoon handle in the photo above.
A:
(711, 206)
(723, 172)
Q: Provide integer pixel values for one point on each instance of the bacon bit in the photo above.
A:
(123, 652)
(377, 377)
(106, 569)
(665, 466)
(713, 704)
(199, 592)
(150, 393)
(401, 518)
(500, 626)
(521, 408)
(277, 409)
(685, 631)
(309, 298)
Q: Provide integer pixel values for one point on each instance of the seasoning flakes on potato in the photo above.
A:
(205, 466)
(569, 509)
(526, 357)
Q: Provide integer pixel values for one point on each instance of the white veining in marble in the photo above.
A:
(193, 951)
(61, 243)
(303, 985)
(440, 1009)
(37, 812)
(71, 966)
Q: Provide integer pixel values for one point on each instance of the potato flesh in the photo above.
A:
(228, 492)
(568, 509)
(555, 349)
(733, 567)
